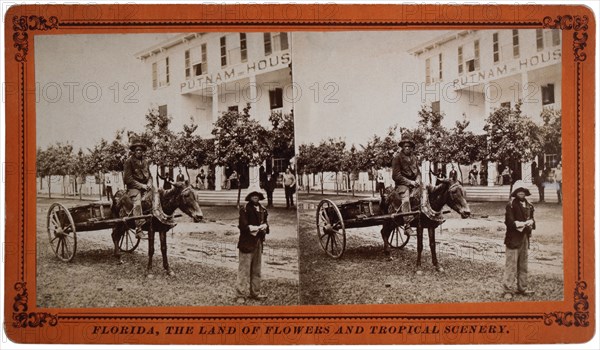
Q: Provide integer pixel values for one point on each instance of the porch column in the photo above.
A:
(215, 117)
(492, 173)
(253, 96)
(526, 174)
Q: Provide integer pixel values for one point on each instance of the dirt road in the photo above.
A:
(203, 256)
(470, 250)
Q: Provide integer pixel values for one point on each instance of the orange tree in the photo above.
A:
(512, 136)
(240, 141)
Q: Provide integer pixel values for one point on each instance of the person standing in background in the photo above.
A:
(289, 182)
(558, 178)
(108, 187)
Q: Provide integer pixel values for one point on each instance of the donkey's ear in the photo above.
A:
(187, 183)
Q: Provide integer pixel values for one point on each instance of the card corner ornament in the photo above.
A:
(23, 24)
(579, 25)
(24, 319)
(579, 317)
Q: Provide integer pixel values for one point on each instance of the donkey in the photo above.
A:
(432, 199)
(180, 196)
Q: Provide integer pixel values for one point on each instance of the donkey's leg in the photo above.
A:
(163, 249)
(150, 252)
(419, 249)
(117, 233)
(432, 248)
(386, 230)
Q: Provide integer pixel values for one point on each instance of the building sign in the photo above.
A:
(541, 59)
(240, 71)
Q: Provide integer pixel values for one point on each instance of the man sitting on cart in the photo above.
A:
(138, 180)
(406, 176)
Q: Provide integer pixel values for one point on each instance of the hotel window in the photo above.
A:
(162, 110)
(476, 49)
(223, 51)
(505, 105)
(195, 61)
(460, 60)
(539, 39)
(515, 42)
(435, 106)
(233, 109)
(160, 73)
(547, 94)
(187, 64)
(275, 42)
(243, 47)
(233, 49)
(496, 48)
(440, 66)
(428, 71)
(555, 37)
(276, 98)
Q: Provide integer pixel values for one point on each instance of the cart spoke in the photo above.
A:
(57, 246)
(53, 239)
(327, 243)
(62, 249)
(334, 243)
(67, 247)
(324, 217)
(56, 219)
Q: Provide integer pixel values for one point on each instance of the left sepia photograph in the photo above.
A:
(165, 170)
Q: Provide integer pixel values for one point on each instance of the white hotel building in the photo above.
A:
(199, 76)
(469, 73)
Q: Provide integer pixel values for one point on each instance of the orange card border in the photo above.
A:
(571, 320)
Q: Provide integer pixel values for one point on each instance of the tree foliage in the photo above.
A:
(551, 131)
(513, 136)
(281, 135)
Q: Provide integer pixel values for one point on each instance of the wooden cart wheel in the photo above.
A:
(397, 238)
(331, 229)
(61, 232)
(128, 242)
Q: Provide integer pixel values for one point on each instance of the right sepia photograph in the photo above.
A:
(429, 166)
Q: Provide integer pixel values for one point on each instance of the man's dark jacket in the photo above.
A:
(405, 168)
(136, 173)
(516, 212)
(250, 216)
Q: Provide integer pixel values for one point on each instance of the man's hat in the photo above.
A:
(137, 142)
(406, 140)
(519, 186)
(255, 190)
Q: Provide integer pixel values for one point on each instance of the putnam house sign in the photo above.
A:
(516, 66)
(239, 71)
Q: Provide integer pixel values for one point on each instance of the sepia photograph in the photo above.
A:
(429, 166)
(165, 170)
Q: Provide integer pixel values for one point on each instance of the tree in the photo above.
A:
(512, 136)
(305, 160)
(351, 162)
(431, 138)
(551, 132)
(115, 154)
(58, 158)
(463, 146)
(81, 166)
(159, 139)
(188, 148)
(329, 157)
(43, 162)
(282, 134)
(240, 141)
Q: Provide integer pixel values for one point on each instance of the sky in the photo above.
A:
(88, 85)
(358, 76)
